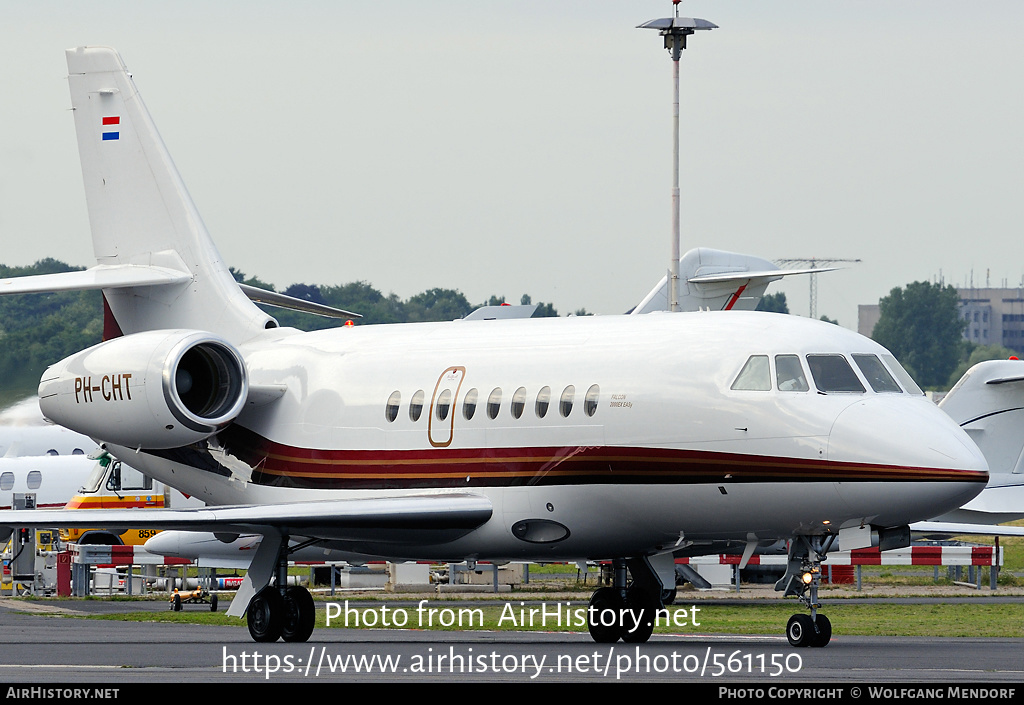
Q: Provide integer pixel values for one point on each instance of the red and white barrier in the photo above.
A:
(915, 555)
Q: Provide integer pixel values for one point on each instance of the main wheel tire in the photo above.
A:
(800, 630)
(176, 603)
(605, 598)
(823, 634)
(299, 614)
(213, 602)
(644, 609)
(265, 615)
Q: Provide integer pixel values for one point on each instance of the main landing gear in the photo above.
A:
(628, 610)
(281, 612)
(272, 616)
(803, 575)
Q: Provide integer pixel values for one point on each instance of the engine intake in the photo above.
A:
(158, 389)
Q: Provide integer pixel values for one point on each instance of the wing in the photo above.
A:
(949, 528)
(408, 517)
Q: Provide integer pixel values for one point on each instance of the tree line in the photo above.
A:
(920, 323)
(37, 330)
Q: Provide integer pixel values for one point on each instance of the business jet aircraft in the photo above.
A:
(51, 480)
(622, 437)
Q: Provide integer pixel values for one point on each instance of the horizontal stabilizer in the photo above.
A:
(272, 298)
(1005, 380)
(772, 274)
(103, 276)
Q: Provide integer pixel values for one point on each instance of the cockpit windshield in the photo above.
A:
(902, 375)
(876, 374)
(832, 373)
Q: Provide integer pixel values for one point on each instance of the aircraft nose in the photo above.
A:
(908, 450)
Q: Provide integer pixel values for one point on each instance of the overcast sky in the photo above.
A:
(511, 147)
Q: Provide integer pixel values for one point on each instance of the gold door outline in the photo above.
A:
(451, 376)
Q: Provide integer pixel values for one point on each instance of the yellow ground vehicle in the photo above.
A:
(114, 485)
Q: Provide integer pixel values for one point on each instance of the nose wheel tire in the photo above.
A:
(265, 615)
(801, 630)
(824, 632)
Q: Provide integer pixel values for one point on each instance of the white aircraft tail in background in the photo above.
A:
(988, 403)
(715, 280)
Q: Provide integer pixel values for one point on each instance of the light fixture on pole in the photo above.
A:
(675, 30)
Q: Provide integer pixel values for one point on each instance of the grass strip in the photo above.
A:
(961, 619)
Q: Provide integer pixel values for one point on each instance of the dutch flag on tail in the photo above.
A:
(115, 120)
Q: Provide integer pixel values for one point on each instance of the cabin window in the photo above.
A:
(543, 401)
(832, 373)
(755, 375)
(590, 402)
(565, 403)
(469, 404)
(416, 405)
(902, 375)
(391, 410)
(789, 374)
(52, 451)
(34, 479)
(6, 481)
(443, 405)
(78, 451)
(876, 374)
(518, 402)
(494, 403)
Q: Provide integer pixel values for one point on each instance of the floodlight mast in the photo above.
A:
(675, 30)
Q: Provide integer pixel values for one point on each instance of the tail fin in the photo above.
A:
(141, 213)
(718, 280)
(988, 403)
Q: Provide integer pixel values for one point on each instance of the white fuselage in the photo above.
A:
(51, 480)
(666, 453)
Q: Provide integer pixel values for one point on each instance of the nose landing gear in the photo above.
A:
(803, 575)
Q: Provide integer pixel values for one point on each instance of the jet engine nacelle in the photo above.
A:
(157, 389)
